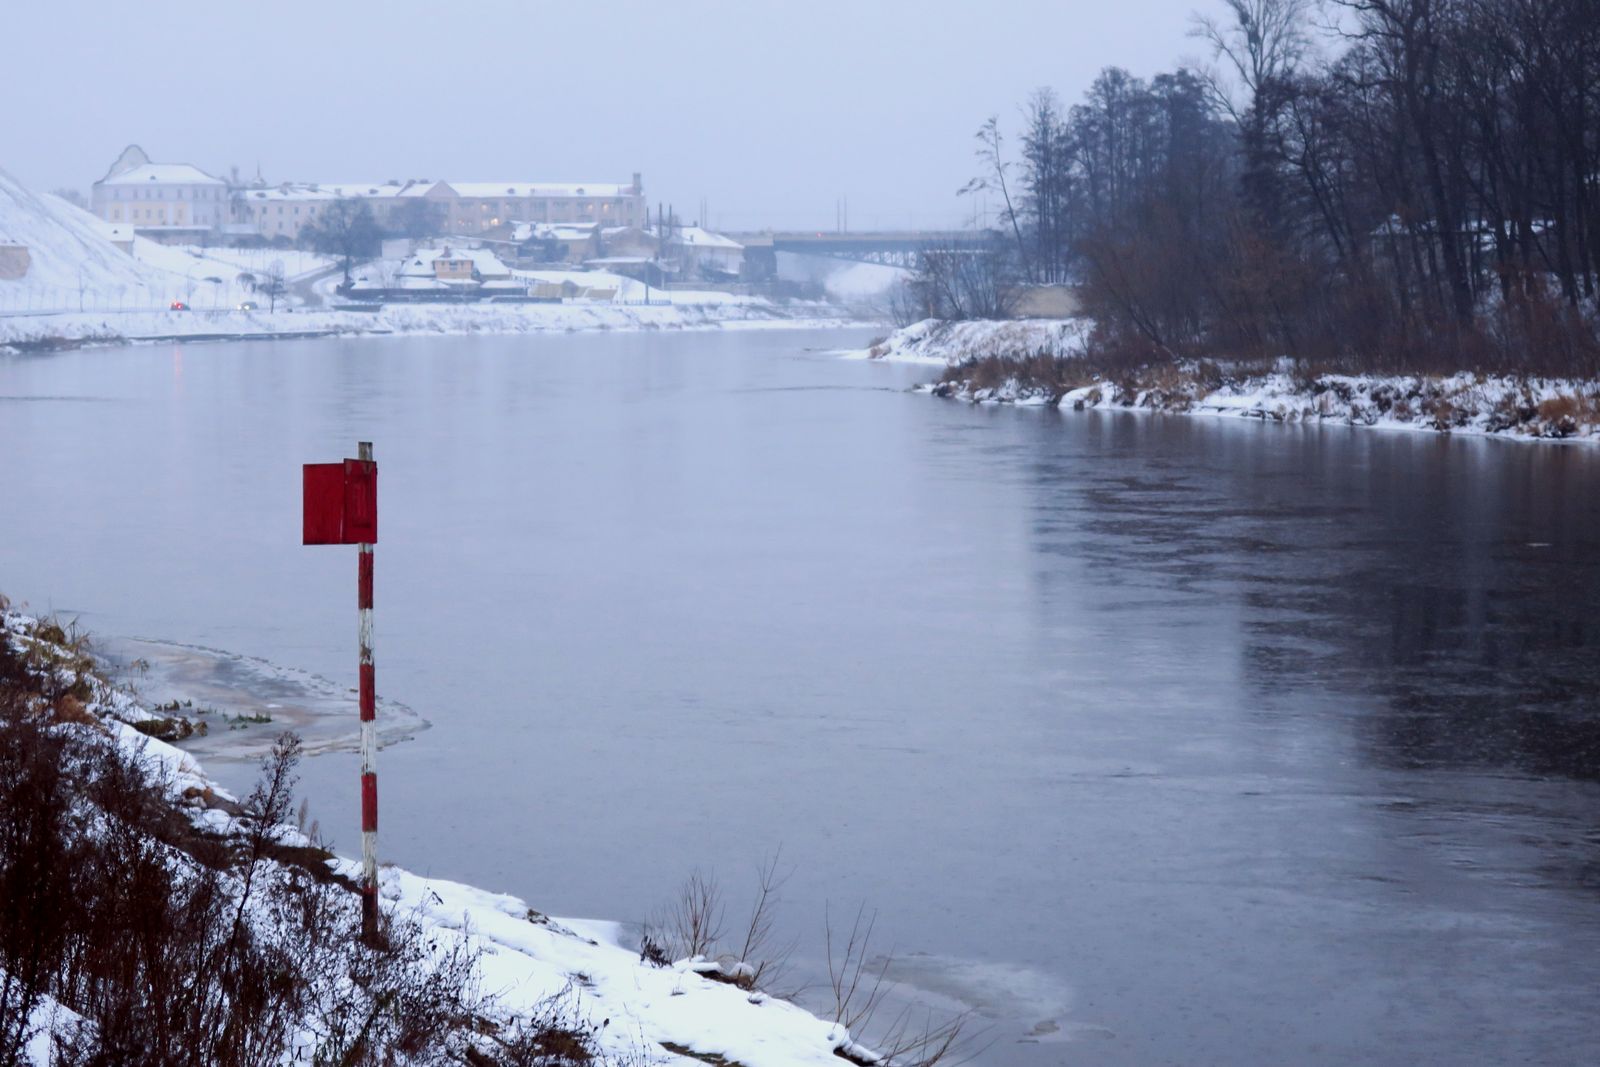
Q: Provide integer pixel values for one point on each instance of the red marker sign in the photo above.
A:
(341, 503)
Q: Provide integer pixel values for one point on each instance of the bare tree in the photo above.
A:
(976, 280)
(273, 283)
(990, 153)
(345, 229)
(1263, 41)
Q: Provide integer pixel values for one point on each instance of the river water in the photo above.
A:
(1152, 739)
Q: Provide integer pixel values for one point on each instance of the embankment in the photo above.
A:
(1046, 363)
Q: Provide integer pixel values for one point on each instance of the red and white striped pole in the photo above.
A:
(369, 738)
(341, 508)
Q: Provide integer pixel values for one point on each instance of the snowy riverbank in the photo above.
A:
(945, 344)
(632, 1010)
(70, 329)
(1041, 363)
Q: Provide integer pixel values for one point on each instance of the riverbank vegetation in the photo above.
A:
(1285, 391)
(146, 916)
(145, 921)
(1390, 186)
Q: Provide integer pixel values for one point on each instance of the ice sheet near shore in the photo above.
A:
(637, 1009)
(1500, 405)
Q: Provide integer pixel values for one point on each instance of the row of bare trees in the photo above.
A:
(1391, 183)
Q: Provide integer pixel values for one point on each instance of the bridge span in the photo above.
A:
(896, 248)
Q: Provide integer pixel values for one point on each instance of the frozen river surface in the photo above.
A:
(1156, 740)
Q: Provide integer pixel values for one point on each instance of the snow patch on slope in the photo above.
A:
(67, 247)
(947, 344)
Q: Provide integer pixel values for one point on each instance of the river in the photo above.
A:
(1152, 739)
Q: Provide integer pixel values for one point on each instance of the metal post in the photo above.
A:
(369, 741)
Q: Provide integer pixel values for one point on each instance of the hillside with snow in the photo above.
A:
(58, 258)
(68, 252)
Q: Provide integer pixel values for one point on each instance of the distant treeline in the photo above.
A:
(1394, 184)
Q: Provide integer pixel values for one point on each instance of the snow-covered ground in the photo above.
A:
(946, 344)
(113, 327)
(1525, 407)
(863, 281)
(73, 263)
(79, 286)
(69, 254)
(640, 1012)
(223, 278)
(842, 279)
(1540, 408)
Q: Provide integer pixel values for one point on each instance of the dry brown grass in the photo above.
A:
(1563, 416)
(68, 708)
(1039, 372)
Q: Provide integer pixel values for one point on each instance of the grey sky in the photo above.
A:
(770, 112)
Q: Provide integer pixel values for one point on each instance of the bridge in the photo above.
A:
(895, 248)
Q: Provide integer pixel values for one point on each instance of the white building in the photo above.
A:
(704, 254)
(157, 196)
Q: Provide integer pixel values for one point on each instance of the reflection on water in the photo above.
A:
(1153, 739)
(1479, 641)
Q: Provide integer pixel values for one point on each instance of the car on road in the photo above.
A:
(178, 305)
(248, 305)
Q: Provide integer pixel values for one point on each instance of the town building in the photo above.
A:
(702, 254)
(173, 201)
(425, 208)
(283, 210)
(474, 207)
(448, 271)
(179, 201)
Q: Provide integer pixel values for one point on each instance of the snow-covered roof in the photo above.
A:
(380, 189)
(489, 190)
(403, 281)
(694, 235)
(302, 191)
(485, 262)
(476, 190)
(560, 231)
(170, 173)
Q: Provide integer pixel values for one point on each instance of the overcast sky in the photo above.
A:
(769, 112)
